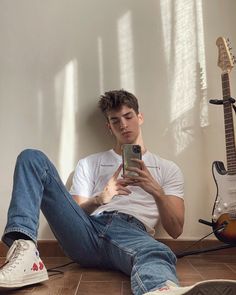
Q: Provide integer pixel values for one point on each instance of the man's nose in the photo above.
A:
(123, 124)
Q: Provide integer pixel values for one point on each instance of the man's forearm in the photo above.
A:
(171, 209)
(90, 204)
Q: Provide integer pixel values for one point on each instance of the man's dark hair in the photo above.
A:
(115, 99)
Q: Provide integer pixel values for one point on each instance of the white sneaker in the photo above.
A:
(211, 287)
(23, 266)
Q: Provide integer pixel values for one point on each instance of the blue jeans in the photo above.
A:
(111, 240)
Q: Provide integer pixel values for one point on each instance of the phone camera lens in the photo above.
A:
(136, 149)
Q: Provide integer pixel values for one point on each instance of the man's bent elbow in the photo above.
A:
(177, 233)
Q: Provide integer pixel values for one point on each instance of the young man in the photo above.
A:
(107, 220)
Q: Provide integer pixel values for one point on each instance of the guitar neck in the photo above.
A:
(229, 125)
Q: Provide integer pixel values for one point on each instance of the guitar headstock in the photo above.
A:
(225, 59)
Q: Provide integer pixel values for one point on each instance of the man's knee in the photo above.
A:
(28, 155)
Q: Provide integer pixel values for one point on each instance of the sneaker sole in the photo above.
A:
(214, 287)
(29, 280)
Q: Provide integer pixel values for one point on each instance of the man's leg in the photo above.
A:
(151, 264)
(154, 265)
(133, 251)
(37, 184)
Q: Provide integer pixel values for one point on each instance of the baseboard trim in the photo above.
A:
(51, 248)
(47, 248)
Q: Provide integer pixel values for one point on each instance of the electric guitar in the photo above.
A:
(224, 209)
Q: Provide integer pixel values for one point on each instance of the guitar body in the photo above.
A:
(224, 211)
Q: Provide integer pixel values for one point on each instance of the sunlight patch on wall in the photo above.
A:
(183, 57)
(67, 79)
(166, 20)
(183, 41)
(204, 119)
(100, 65)
(126, 52)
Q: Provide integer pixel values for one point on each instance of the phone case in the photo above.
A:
(130, 151)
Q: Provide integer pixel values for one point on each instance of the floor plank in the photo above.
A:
(83, 281)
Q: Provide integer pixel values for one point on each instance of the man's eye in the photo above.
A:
(114, 121)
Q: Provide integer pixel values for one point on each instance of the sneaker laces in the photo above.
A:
(14, 256)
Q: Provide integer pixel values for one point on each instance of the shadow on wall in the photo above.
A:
(96, 136)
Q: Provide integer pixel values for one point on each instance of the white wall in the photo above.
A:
(57, 57)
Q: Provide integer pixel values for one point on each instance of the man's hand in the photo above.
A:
(171, 208)
(144, 179)
(114, 187)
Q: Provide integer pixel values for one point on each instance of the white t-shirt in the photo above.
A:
(93, 172)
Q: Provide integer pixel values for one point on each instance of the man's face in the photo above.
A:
(125, 124)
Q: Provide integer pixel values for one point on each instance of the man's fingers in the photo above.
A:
(124, 182)
(116, 174)
(123, 191)
(141, 162)
(137, 170)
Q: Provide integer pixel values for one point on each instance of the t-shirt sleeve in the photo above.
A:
(173, 181)
(82, 184)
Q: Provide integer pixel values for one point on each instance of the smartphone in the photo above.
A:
(131, 151)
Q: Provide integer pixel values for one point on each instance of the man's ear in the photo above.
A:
(109, 128)
(141, 118)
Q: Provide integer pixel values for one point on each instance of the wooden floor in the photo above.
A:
(76, 280)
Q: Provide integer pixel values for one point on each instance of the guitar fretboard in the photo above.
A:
(229, 126)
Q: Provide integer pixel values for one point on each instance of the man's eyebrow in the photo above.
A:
(126, 114)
